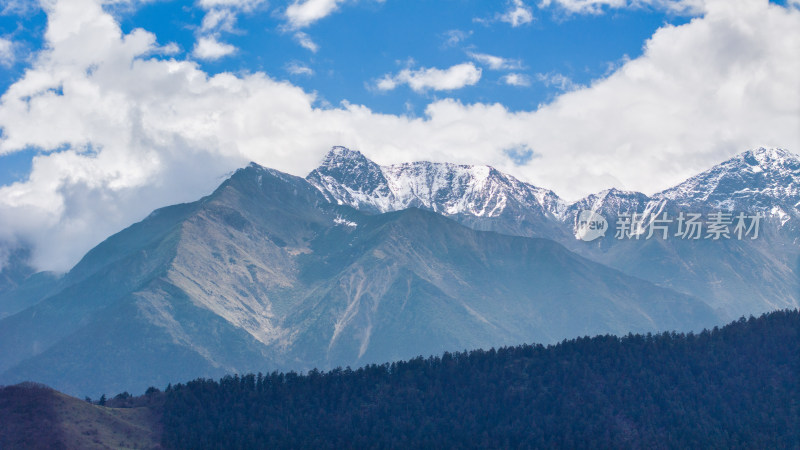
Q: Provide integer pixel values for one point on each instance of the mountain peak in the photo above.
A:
(340, 156)
(256, 172)
(351, 167)
(348, 177)
(610, 201)
(614, 192)
(762, 179)
(772, 152)
(768, 158)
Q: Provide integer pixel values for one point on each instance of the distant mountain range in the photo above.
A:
(763, 180)
(363, 263)
(736, 277)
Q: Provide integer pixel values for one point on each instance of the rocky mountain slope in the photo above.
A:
(266, 274)
(735, 276)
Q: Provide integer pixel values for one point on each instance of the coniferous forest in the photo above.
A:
(732, 387)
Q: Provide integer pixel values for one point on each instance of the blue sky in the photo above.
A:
(112, 108)
(363, 41)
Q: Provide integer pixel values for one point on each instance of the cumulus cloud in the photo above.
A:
(209, 48)
(518, 14)
(495, 62)
(122, 133)
(6, 52)
(302, 13)
(516, 79)
(420, 80)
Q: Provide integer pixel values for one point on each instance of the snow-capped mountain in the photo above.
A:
(765, 181)
(761, 180)
(611, 203)
(473, 192)
(347, 177)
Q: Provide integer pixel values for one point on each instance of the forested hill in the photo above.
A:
(732, 387)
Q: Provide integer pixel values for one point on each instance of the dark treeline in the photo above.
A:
(732, 387)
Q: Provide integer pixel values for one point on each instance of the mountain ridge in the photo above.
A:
(393, 187)
(266, 274)
(293, 273)
(764, 182)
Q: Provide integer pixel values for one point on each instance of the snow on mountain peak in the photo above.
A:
(757, 179)
(611, 201)
(763, 180)
(769, 156)
(348, 177)
(339, 156)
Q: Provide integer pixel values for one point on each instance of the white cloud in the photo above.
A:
(455, 37)
(496, 62)
(241, 5)
(691, 7)
(296, 68)
(518, 14)
(169, 49)
(302, 13)
(6, 52)
(136, 133)
(306, 42)
(558, 81)
(209, 48)
(219, 20)
(221, 16)
(516, 79)
(419, 80)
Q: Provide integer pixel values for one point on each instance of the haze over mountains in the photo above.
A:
(360, 263)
